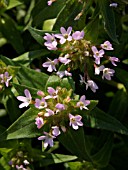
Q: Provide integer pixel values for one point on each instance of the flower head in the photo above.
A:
(51, 65)
(65, 35)
(97, 54)
(49, 112)
(55, 130)
(5, 78)
(75, 121)
(26, 100)
(78, 35)
(113, 5)
(83, 103)
(113, 60)
(53, 93)
(61, 74)
(107, 45)
(48, 139)
(39, 122)
(93, 86)
(60, 106)
(64, 60)
(107, 73)
(99, 69)
(40, 104)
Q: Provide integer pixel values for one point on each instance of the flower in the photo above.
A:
(75, 121)
(82, 80)
(99, 69)
(51, 42)
(48, 113)
(26, 100)
(78, 35)
(5, 78)
(50, 64)
(107, 45)
(55, 130)
(97, 54)
(83, 103)
(48, 139)
(26, 162)
(40, 104)
(107, 73)
(92, 85)
(64, 60)
(113, 60)
(39, 122)
(53, 93)
(61, 74)
(60, 106)
(113, 5)
(65, 35)
(51, 45)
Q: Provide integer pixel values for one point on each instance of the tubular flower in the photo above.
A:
(75, 121)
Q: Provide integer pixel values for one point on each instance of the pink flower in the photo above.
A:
(50, 64)
(49, 3)
(5, 78)
(82, 80)
(107, 73)
(75, 121)
(26, 100)
(65, 35)
(64, 60)
(107, 45)
(93, 86)
(97, 54)
(61, 74)
(99, 69)
(39, 122)
(113, 60)
(60, 106)
(83, 103)
(51, 45)
(55, 130)
(40, 104)
(113, 5)
(48, 113)
(51, 42)
(48, 139)
(53, 93)
(78, 35)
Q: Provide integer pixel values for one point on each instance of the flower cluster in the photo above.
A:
(20, 161)
(76, 52)
(56, 111)
(5, 78)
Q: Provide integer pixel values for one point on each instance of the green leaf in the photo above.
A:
(67, 15)
(109, 19)
(122, 75)
(74, 141)
(102, 157)
(14, 3)
(23, 127)
(32, 78)
(48, 159)
(54, 81)
(119, 111)
(6, 60)
(100, 120)
(28, 57)
(11, 106)
(38, 34)
(11, 33)
(41, 9)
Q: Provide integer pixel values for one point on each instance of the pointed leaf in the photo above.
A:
(109, 19)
